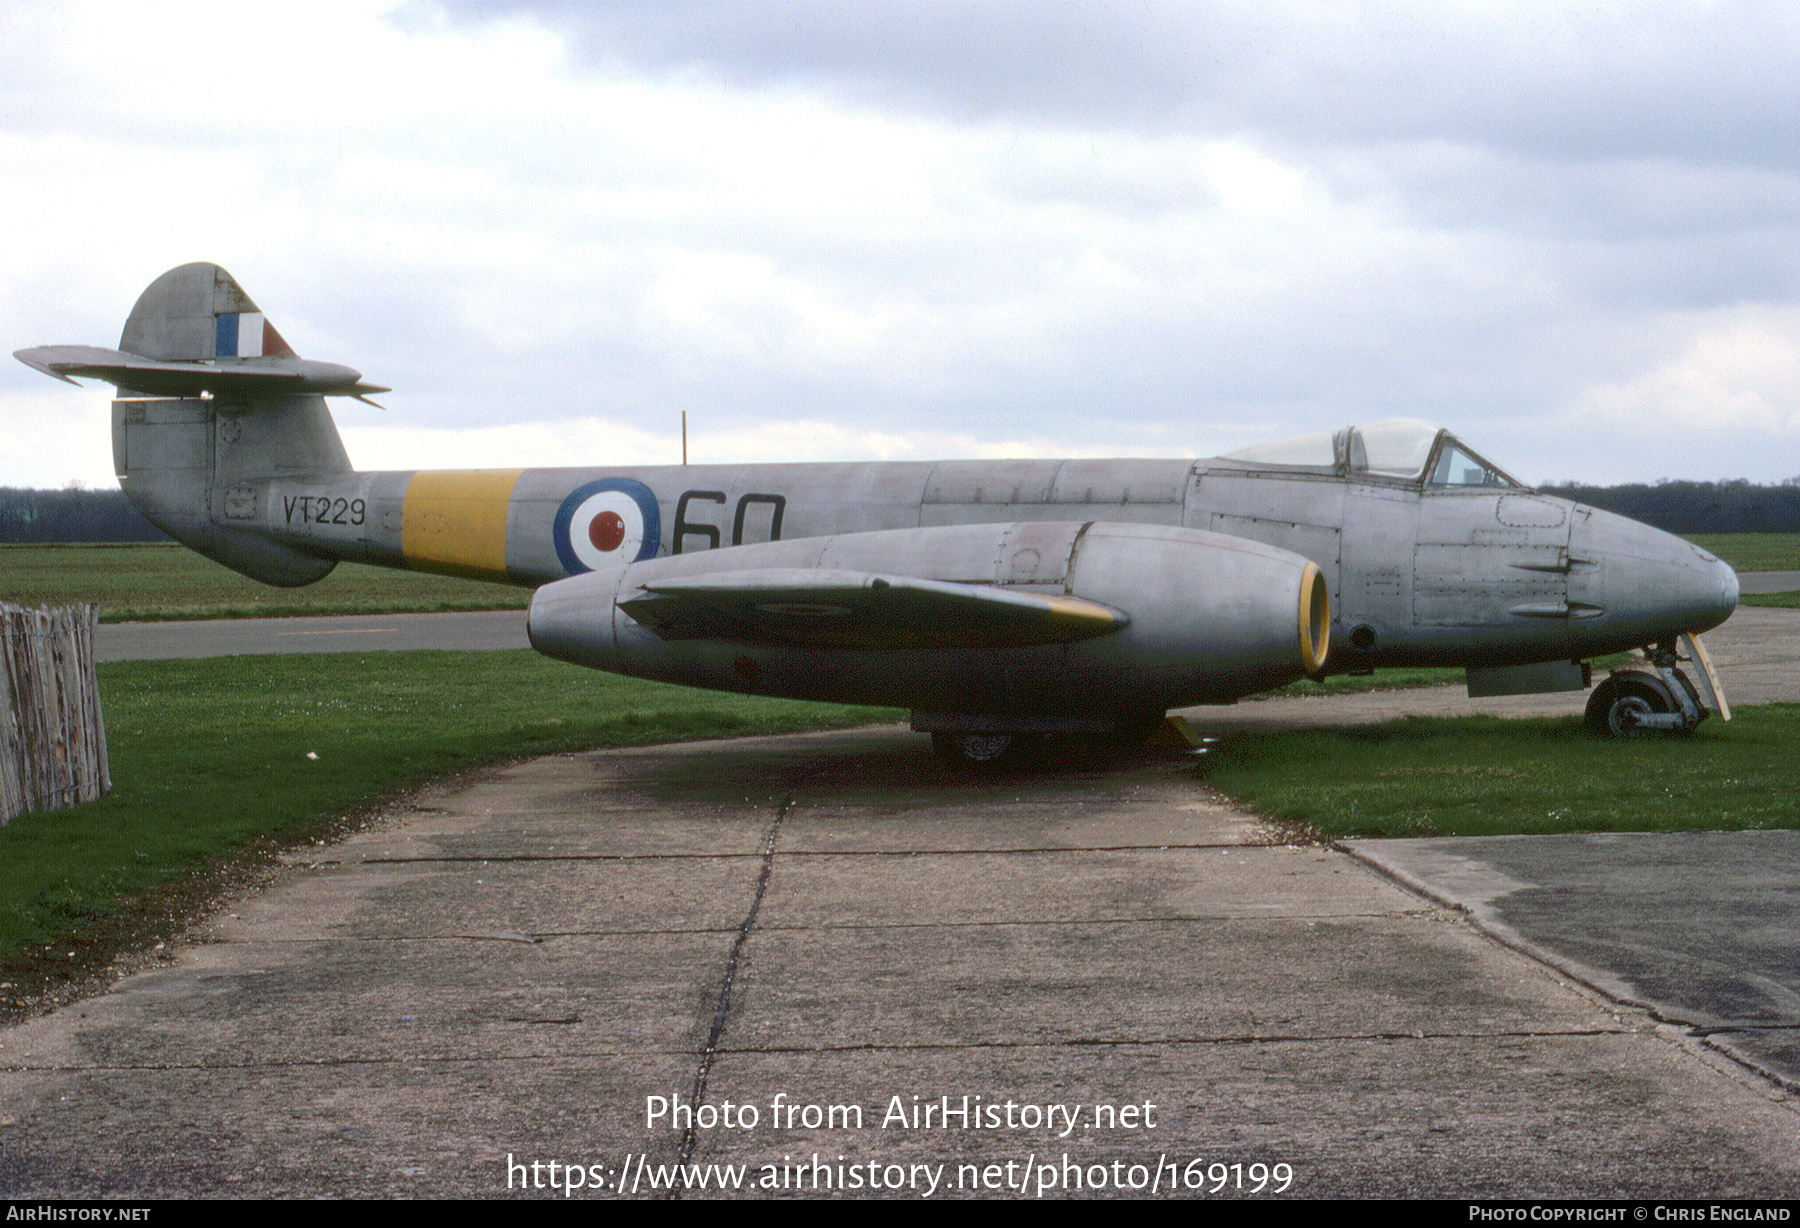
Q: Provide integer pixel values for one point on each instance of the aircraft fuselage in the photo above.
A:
(1417, 575)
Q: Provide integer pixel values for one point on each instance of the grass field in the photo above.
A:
(1753, 551)
(1482, 776)
(1757, 552)
(137, 583)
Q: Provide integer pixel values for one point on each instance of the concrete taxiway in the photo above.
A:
(540, 964)
(513, 968)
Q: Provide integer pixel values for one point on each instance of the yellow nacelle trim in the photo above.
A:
(1315, 621)
(1081, 619)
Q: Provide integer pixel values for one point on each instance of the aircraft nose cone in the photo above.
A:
(1702, 590)
(1644, 586)
(1726, 597)
(1699, 591)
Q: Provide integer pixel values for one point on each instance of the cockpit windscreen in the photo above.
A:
(1408, 449)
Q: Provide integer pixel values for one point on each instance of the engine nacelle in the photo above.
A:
(1137, 617)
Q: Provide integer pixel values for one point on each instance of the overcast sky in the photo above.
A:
(852, 231)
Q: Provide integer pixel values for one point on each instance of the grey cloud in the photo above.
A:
(1711, 83)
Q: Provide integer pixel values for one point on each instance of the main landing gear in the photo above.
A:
(987, 752)
(1636, 703)
(1077, 742)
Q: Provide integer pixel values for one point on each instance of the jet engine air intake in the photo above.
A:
(1315, 621)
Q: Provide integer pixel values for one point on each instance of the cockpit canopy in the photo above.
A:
(1405, 449)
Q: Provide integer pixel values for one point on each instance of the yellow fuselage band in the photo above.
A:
(454, 523)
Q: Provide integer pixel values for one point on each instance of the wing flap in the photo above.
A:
(807, 608)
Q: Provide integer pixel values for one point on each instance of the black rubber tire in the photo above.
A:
(1613, 703)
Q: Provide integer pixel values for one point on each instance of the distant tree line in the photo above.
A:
(1675, 507)
(72, 516)
(1697, 507)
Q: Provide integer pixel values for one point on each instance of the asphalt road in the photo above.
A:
(228, 637)
(1699, 929)
(1768, 581)
(540, 964)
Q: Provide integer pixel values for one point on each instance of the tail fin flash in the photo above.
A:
(194, 332)
(198, 313)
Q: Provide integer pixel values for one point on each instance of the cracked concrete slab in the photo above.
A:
(513, 970)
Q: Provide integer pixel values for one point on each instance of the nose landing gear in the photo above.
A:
(1635, 703)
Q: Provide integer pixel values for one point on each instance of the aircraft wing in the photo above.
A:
(806, 608)
(252, 378)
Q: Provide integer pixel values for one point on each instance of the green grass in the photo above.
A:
(1477, 776)
(134, 583)
(1753, 551)
(1757, 552)
(211, 757)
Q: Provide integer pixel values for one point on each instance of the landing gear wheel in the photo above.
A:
(1619, 704)
(986, 752)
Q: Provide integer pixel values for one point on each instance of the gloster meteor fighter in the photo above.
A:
(999, 600)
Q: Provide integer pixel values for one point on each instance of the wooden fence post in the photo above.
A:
(52, 737)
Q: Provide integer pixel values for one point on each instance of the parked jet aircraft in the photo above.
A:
(999, 600)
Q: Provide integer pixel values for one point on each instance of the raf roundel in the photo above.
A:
(607, 523)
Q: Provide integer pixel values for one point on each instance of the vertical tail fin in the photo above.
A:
(212, 405)
(198, 313)
(177, 458)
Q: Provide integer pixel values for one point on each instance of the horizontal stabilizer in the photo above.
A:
(232, 380)
(844, 609)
